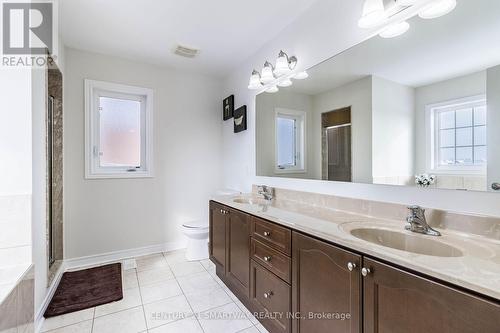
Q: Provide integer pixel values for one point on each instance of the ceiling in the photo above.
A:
(226, 31)
(463, 42)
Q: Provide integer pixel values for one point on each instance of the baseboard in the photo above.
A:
(97, 260)
(50, 292)
(110, 257)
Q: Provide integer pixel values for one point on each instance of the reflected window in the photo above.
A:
(460, 135)
(290, 127)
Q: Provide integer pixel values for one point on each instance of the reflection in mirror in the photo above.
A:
(422, 109)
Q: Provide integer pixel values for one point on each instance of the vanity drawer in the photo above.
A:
(272, 297)
(273, 235)
(275, 261)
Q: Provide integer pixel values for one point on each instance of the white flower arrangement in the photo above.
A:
(425, 180)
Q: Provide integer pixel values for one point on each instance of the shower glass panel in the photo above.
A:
(338, 139)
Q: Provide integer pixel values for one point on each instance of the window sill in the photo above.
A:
(288, 171)
(120, 175)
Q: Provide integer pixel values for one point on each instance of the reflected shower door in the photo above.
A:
(338, 139)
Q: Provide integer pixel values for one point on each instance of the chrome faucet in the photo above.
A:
(266, 191)
(417, 222)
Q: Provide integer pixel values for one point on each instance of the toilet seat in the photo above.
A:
(195, 225)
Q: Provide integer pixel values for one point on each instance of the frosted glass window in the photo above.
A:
(461, 134)
(464, 136)
(286, 141)
(447, 138)
(480, 116)
(464, 118)
(447, 156)
(480, 155)
(464, 155)
(447, 120)
(480, 136)
(120, 132)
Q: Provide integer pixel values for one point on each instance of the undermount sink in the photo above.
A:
(250, 201)
(405, 242)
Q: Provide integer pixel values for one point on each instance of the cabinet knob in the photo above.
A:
(351, 266)
(268, 294)
(365, 271)
(267, 258)
(222, 211)
(267, 233)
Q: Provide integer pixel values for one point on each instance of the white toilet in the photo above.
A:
(197, 235)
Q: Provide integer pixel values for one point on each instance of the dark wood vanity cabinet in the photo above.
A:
(325, 293)
(229, 246)
(217, 235)
(238, 251)
(300, 284)
(397, 301)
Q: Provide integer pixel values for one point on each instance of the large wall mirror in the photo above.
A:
(421, 109)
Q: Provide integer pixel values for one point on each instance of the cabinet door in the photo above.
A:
(218, 235)
(396, 301)
(238, 252)
(324, 292)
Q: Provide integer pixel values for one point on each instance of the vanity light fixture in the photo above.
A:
(271, 77)
(406, 3)
(301, 75)
(285, 83)
(437, 9)
(255, 83)
(272, 89)
(284, 64)
(267, 75)
(373, 14)
(395, 29)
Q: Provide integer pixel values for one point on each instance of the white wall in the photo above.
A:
(266, 138)
(357, 95)
(493, 94)
(393, 132)
(102, 216)
(15, 166)
(313, 37)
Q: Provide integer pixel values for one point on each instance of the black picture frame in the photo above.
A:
(240, 119)
(228, 108)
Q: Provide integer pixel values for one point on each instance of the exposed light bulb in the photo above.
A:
(267, 73)
(437, 9)
(301, 75)
(282, 64)
(373, 14)
(285, 83)
(272, 90)
(254, 83)
(394, 30)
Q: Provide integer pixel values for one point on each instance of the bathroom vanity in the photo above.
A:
(309, 268)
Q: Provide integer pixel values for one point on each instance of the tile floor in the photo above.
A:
(164, 294)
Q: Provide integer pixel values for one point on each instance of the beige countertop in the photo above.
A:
(478, 269)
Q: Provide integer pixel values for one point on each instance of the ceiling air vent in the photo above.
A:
(187, 52)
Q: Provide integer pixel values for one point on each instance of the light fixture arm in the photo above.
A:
(292, 61)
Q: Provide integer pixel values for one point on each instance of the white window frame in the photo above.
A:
(300, 144)
(432, 138)
(95, 89)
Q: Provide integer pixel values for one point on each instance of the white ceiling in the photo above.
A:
(226, 31)
(463, 42)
